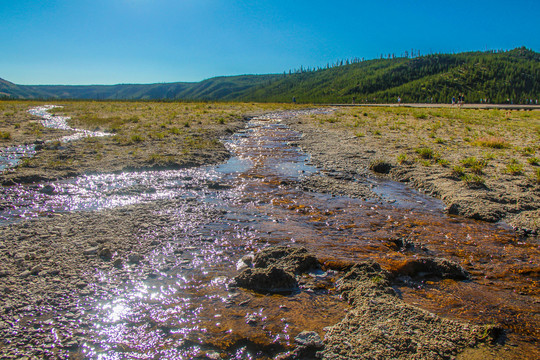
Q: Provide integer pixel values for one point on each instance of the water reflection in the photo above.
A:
(61, 123)
(11, 156)
(185, 310)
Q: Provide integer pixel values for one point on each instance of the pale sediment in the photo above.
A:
(343, 157)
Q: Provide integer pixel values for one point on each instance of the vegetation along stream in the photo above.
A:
(203, 225)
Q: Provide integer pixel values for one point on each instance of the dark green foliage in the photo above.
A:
(501, 77)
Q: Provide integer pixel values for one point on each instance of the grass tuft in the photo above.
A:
(535, 177)
(473, 181)
(492, 142)
(426, 153)
(514, 168)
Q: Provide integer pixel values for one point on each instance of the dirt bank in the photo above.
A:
(482, 164)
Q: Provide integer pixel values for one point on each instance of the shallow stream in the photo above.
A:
(185, 309)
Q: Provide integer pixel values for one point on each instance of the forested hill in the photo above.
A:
(498, 76)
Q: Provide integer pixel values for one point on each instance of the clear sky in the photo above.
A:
(148, 41)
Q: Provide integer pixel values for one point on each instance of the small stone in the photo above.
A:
(213, 355)
(271, 280)
(105, 253)
(47, 189)
(36, 269)
(91, 251)
(310, 339)
(135, 258)
(25, 274)
(118, 263)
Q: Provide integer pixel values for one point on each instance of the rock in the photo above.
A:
(25, 274)
(295, 260)
(36, 269)
(214, 185)
(135, 258)
(118, 263)
(245, 262)
(274, 269)
(309, 343)
(105, 253)
(91, 251)
(479, 210)
(213, 355)
(47, 189)
(437, 267)
(382, 326)
(380, 166)
(268, 280)
(310, 339)
(400, 243)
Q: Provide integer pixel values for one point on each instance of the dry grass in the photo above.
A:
(452, 134)
(144, 134)
(492, 142)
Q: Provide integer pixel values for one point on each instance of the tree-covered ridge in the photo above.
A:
(500, 77)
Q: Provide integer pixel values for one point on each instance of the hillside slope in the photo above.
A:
(498, 76)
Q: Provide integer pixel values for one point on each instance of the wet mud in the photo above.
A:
(141, 265)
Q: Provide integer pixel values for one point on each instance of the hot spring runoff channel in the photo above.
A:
(180, 306)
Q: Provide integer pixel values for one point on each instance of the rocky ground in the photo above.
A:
(378, 325)
(348, 153)
(51, 265)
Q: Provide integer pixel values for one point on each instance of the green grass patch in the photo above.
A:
(535, 177)
(514, 168)
(426, 153)
(473, 180)
(402, 159)
(474, 164)
(458, 171)
(443, 162)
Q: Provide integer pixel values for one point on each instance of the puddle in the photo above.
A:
(403, 196)
(186, 310)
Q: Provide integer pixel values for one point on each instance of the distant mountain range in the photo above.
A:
(498, 76)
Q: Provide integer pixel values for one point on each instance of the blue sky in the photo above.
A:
(147, 41)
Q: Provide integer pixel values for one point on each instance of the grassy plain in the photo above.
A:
(483, 163)
(144, 135)
(489, 143)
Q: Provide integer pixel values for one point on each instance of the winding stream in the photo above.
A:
(185, 309)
